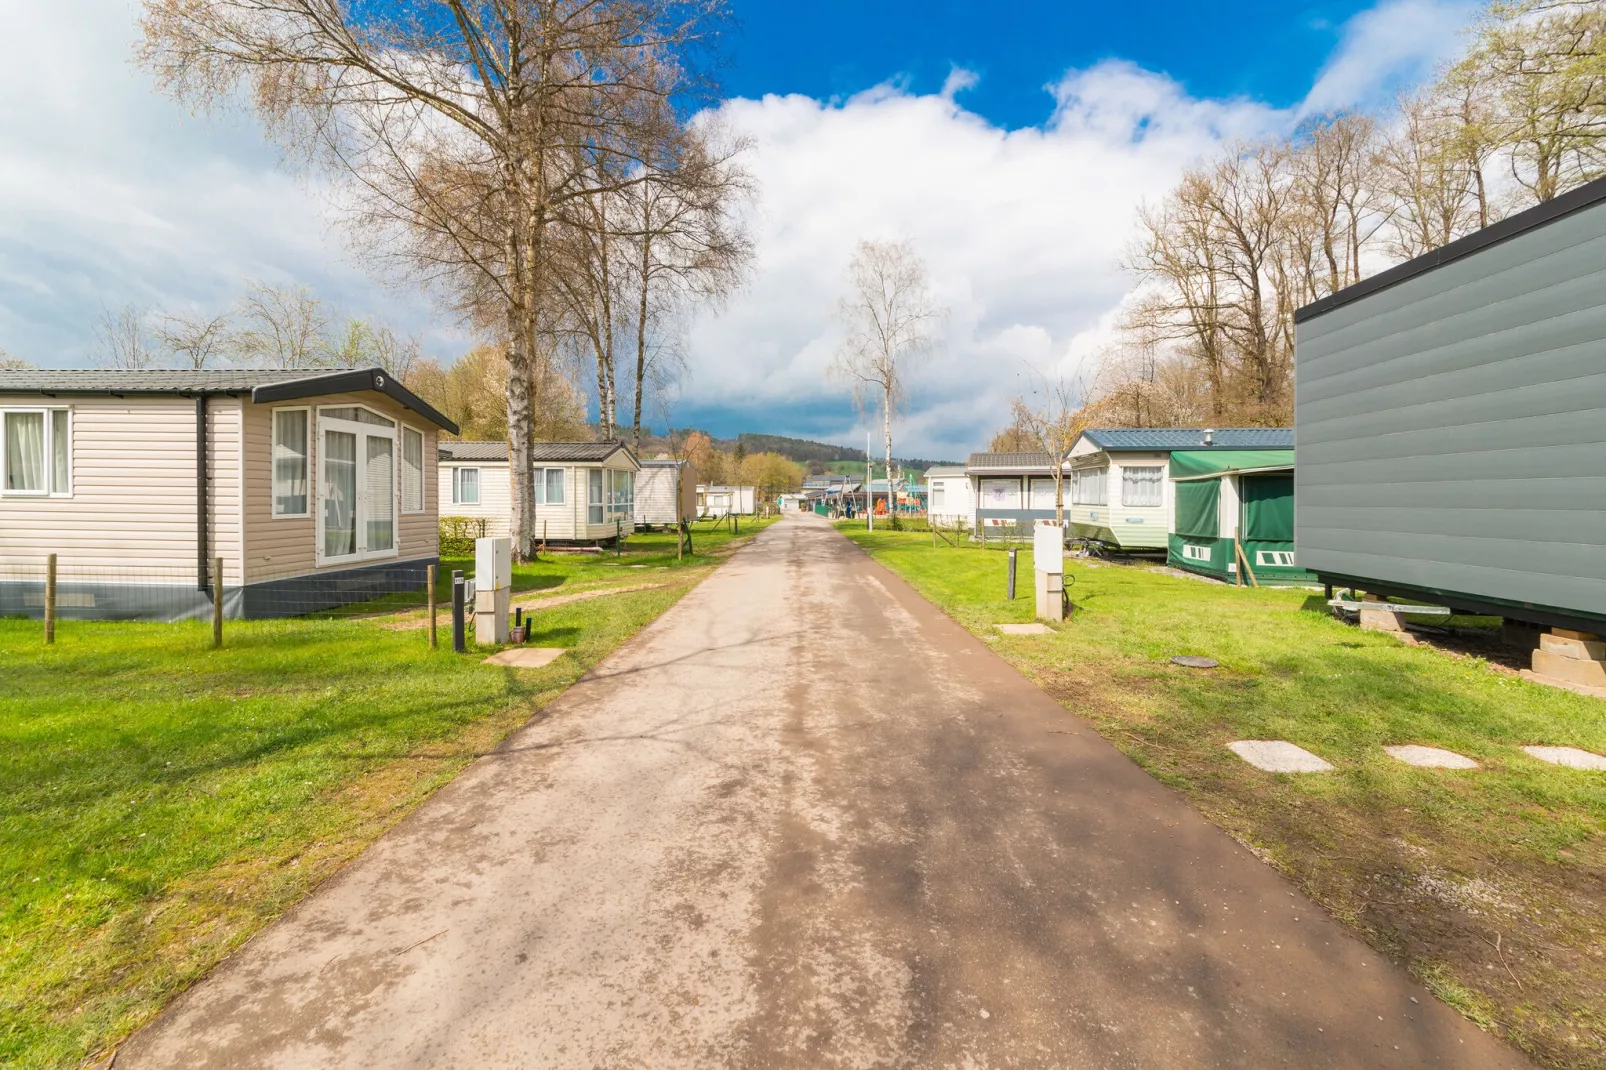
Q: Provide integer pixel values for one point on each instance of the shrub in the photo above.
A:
(459, 532)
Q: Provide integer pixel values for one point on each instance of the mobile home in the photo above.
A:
(584, 492)
(718, 501)
(1450, 416)
(314, 488)
(950, 499)
(658, 484)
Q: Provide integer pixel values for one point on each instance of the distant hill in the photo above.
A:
(814, 456)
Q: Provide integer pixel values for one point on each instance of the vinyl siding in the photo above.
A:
(1134, 527)
(132, 513)
(655, 495)
(496, 495)
(558, 523)
(287, 546)
(959, 502)
(1450, 430)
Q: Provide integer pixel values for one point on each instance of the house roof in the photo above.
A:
(1007, 462)
(945, 470)
(262, 384)
(572, 452)
(474, 451)
(662, 462)
(1164, 439)
(1574, 200)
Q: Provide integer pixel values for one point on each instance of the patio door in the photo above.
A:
(357, 485)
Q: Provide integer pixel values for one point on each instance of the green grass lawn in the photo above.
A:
(1489, 885)
(161, 801)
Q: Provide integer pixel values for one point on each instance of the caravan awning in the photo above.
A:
(1206, 464)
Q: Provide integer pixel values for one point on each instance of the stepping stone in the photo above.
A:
(527, 657)
(1025, 629)
(1430, 757)
(1278, 756)
(1571, 757)
(1192, 661)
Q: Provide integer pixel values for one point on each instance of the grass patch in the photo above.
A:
(160, 802)
(1489, 885)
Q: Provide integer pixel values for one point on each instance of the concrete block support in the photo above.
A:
(1571, 657)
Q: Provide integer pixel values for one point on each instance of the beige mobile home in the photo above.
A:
(314, 488)
(584, 491)
(658, 484)
(719, 501)
(950, 498)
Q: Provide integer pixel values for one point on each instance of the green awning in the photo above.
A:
(1194, 464)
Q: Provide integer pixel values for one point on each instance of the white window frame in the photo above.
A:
(612, 506)
(363, 431)
(1159, 485)
(423, 470)
(1081, 475)
(542, 480)
(50, 413)
(273, 450)
(600, 487)
(479, 483)
(1192, 551)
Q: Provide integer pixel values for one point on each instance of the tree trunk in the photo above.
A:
(886, 431)
(641, 311)
(520, 430)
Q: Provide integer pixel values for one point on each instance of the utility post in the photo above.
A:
(869, 492)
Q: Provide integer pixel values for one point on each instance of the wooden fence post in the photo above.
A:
(217, 603)
(50, 599)
(433, 640)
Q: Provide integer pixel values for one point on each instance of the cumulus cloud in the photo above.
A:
(109, 193)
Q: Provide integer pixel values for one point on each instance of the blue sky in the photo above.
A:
(835, 48)
(1012, 144)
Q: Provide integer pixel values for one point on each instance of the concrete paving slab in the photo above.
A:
(1278, 756)
(1430, 757)
(527, 657)
(1571, 757)
(1193, 661)
(1025, 629)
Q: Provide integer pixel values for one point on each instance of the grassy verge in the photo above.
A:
(1490, 885)
(160, 802)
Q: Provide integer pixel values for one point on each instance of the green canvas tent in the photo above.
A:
(1253, 491)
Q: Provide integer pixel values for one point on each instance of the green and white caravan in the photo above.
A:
(1222, 495)
(1118, 488)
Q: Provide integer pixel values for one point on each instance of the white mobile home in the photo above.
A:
(716, 501)
(950, 496)
(314, 488)
(658, 484)
(584, 491)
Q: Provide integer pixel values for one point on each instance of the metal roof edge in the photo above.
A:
(1574, 200)
(376, 379)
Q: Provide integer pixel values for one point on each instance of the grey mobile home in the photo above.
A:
(1451, 422)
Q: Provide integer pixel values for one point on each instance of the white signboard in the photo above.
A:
(1048, 548)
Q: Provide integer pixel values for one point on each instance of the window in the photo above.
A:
(1195, 552)
(412, 471)
(358, 487)
(1140, 486)
(36, 452)
(1000, 494)
(290, 462)
(621, 492)
(1043, 493)
(938, 496)
(549, 486)
(1275, 558)
(1087, 486)
(465, 486)
(594, 496)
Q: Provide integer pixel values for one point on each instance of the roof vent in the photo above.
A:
(1210, 436)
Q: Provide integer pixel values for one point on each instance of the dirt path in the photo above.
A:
(804, 820)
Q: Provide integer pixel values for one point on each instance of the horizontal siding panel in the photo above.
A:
(1582, 493)
(1451, 555)
(1583, 526)
(1514, 583)
(1536, 462)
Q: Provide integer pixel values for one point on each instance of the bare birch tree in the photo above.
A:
(281, 327)
(463, 124)
(891, 317)
(1052, 415)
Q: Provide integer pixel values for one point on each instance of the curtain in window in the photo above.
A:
(25, 451)
(412, 471)
(594, 499)
(340, 494)
(1141, 486)
(289, 463)
(554, 486)
(1087, 486)
(60, 477)
(465, 486)
(379, 488)
(1042, 494)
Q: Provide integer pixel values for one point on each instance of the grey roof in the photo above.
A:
(578, 451)
(474, 451)
(1008, 461)
(1161, 439)
(263, 384)
(662, 462)
(945, 470)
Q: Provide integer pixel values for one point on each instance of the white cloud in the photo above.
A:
(109, 193)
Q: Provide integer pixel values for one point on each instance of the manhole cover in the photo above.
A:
(1190, 661)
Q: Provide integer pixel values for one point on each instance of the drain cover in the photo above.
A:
(1190, 661)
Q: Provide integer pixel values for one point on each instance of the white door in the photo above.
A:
(357, 486)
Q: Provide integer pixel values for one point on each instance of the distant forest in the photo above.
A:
(816, 457)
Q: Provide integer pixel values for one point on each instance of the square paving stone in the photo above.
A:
(527, 657)
(1278, 756)
(1025, 629)
(1431, 757)
(1571, 757)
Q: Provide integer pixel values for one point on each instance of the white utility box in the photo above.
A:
(493, 589)
(1048, 568)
